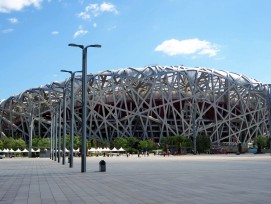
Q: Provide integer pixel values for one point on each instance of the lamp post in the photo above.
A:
(269, 121)
(84, 101)
(71, 114)
(31, 122)
(55, 135)
(51, 137)
(64, 126)
(59, 133)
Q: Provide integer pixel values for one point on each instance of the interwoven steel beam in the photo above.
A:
(151, 102)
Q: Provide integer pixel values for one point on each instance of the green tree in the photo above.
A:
(35, 142)
(1, 144)
(203, 143)
(94, 143)
(106, 144)
(44, 143)
(176, 142)
(147, 145)
(120, 142)
(8, 142)
(132, 144)
(77, 142)
(261, 142)
(19, 144)
(68, 140)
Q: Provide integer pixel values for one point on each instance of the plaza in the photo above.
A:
(155, 179)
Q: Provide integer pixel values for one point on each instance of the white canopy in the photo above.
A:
(11, 150)
(122, 150)
(114, 149)
(92, 149)
(32, 150)
(18, 150)
(76, 150)
(25, 150)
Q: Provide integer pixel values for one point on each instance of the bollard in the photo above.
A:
(102, 166)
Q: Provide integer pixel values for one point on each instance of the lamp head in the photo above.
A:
(95, 45)
(75, 45)
(63, 70)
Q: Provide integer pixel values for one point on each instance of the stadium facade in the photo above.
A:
(149, 102)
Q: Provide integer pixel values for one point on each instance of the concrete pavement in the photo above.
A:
(154, 179)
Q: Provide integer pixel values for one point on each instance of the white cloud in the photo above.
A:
(54, 32)
(185, 47)
(7, 30)
(80, 32)
(108, 7)
(93, 10)
(7, 6)
(94, 25)
(84, 15)
(13, 20)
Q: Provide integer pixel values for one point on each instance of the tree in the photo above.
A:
(19, 144)
(44, 143)
(203, 143)
(120, 142)
(77, 142)
(1, 144)
(132, 144)
(175, 143)
(8, 142)
(94, 143)
(35, 142)
(147, 145)
(261, 142)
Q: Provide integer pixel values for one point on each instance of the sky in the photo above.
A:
(231, 35)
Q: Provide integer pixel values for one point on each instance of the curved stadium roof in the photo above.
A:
(157, 102)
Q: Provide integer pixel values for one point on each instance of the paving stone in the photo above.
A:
(176, 179)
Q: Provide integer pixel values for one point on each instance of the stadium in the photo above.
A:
(147, 103)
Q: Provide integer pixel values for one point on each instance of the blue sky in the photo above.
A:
(232, 35)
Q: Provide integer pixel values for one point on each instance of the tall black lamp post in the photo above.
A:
(269, 106)
(84, 101)
(71, 115)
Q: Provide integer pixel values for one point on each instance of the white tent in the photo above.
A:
(5, 150)
(76, 150)
(122, 150)
(25, 150)
(32, 150)
(11, 150)
(18, 151)
(114, 149)
(99, 149)
(92, 149)
(67, 150)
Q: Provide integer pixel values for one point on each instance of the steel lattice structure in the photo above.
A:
(149, 102)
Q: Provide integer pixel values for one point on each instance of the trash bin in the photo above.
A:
(102, 166)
